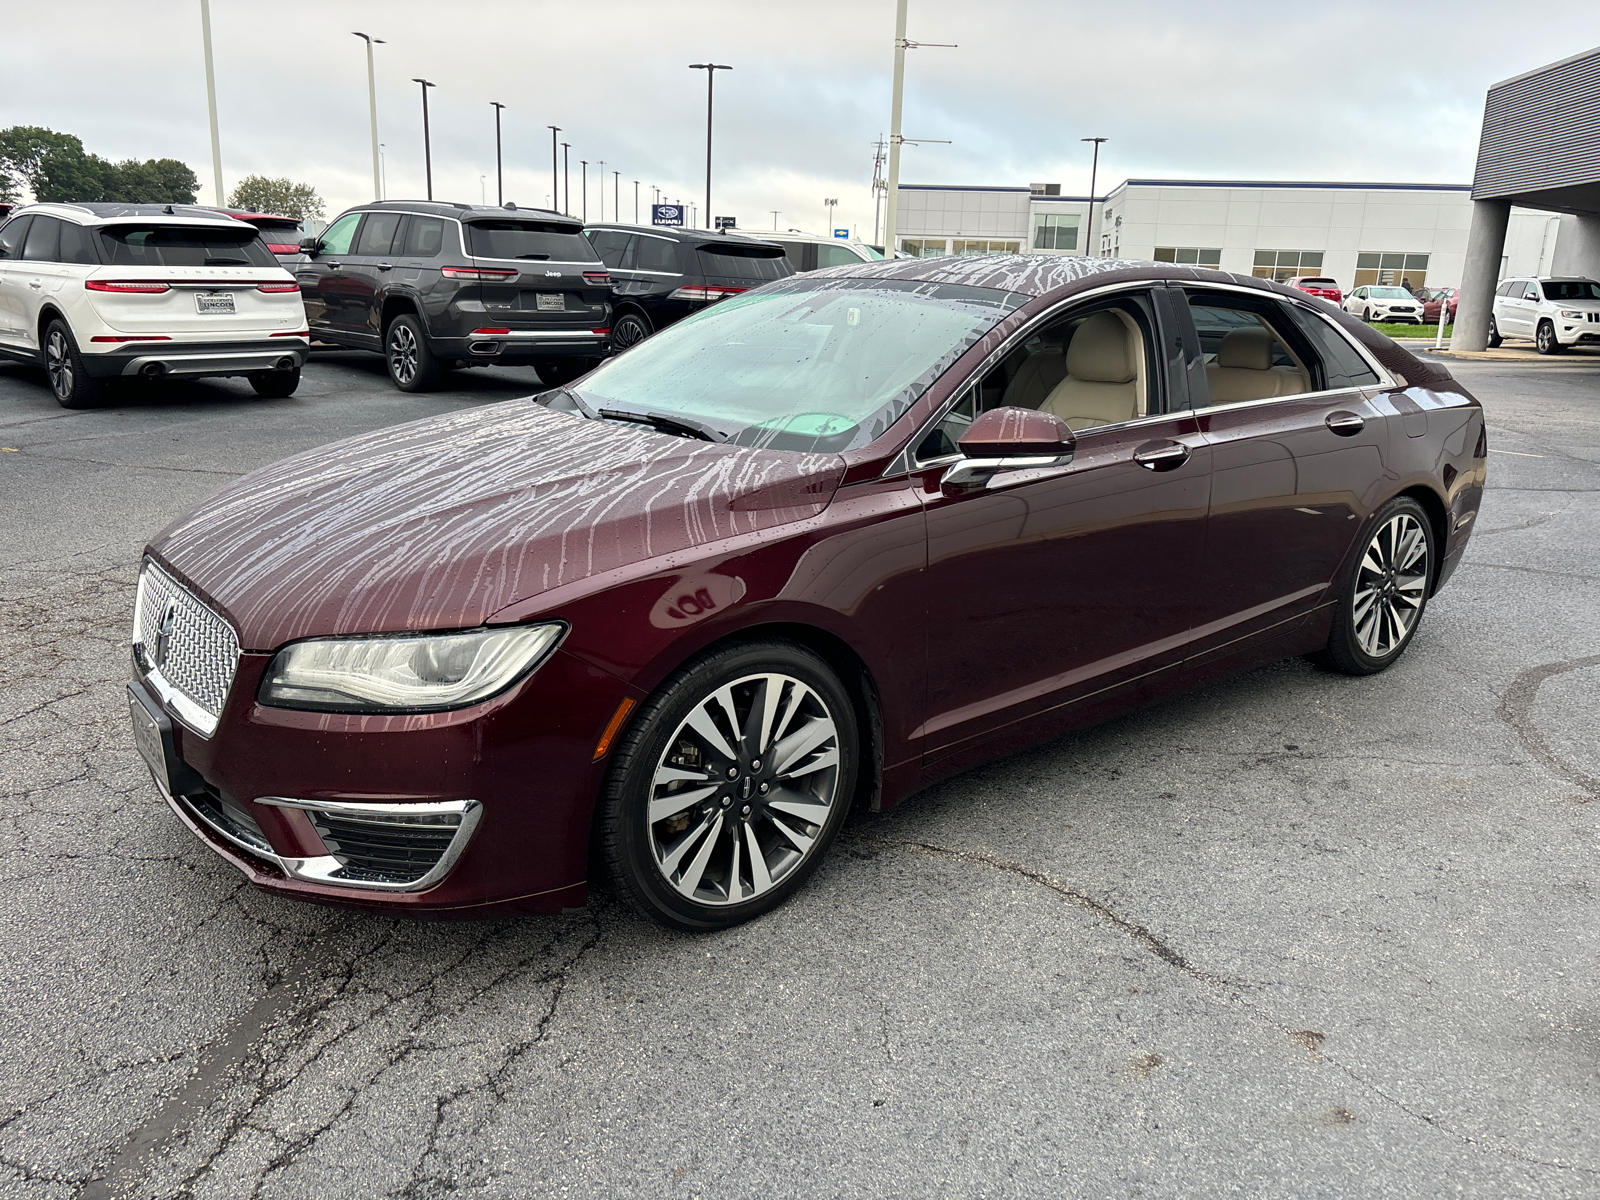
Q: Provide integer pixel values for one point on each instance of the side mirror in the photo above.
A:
(310, 245)
(1009, 439)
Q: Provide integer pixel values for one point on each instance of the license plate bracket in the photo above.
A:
(153, 738)
(214, 303)
(551, 302)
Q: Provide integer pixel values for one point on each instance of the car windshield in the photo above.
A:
(1572, 289)
(184, 246)
(1391, 294)
(803, 364)
(537, 241)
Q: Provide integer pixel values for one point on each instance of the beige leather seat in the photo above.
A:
(1103, 384)
(1045, 367)
(1244, 370)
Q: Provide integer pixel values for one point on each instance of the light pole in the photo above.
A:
(499, 170)
(583, 167)
(774, 212)
(566, 178)
(383, 166)
(427, 143)
(483, 187)
(211, 101)
(711, 69)
(372, 108)
(831, 205)
(616, 196)
(635, 201)
(555, 190)
(1094, 170)
(603, 189)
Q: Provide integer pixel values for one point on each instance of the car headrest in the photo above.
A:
(1101, 351)
(1247, 348)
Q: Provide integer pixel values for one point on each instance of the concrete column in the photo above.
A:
(1578, 247)
(1486, 243)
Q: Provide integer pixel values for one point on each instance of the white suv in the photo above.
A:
(1555, 313)
(93, 292)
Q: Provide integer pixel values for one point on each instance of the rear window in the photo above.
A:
(744, 262)
(528, 239)
(183, 246)
(279, 233)
(1572, 289)
(1321, 283)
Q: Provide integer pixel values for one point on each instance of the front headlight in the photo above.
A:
(426, 672)
(1572, 314)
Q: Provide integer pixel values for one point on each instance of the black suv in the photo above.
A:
(439, 285)
(660, 274)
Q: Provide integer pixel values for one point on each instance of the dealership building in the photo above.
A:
(1357, 233)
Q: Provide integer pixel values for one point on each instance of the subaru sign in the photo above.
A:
(666, 214)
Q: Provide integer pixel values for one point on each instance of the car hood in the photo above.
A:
(441, 523)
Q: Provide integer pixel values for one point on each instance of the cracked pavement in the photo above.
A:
(1292, 934)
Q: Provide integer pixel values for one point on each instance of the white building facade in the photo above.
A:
(1355, 233)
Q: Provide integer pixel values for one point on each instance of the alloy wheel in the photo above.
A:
(1391, 585)
(402, 353)
(629, 331)
(58, 363)
(744, 789)
(1547, 337)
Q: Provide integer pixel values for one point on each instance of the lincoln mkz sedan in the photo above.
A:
(817, 546)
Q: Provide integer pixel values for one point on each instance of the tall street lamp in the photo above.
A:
(566, 178)
(1094, 169)
(635, 201)
(211, 101)
(555, 177)
(711, 69)
(372, 109)
(383, 175)
(616, 195)
(583, 167)
(427, 143)
(602, 189)
(499, 170)
(775, 213)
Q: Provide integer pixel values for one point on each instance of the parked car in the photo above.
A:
(282, 235)
(812, 252)
(100, 291)
(433, 285)
(1319, 285)
(661, 274)
(1376, 303)
(1435, 298)
(816, 547)
(1555, 313)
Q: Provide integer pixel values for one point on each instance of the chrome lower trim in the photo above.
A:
(533, 335)
(326, 868)
(212, 364)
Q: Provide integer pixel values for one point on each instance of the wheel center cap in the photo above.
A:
(746, 786)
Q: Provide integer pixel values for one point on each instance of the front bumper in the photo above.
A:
(193, 360)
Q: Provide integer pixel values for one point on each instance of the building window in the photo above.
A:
(1407, 270)
(986, 247)
(925, 247)
(1286, 264)
(1190, 256)
(1055, 231)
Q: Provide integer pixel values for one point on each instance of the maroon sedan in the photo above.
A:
(817, 546)
(1433, 298)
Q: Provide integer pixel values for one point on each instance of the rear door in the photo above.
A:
(364, 276)
(42, 275)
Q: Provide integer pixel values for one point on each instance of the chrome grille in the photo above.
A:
(186, 645)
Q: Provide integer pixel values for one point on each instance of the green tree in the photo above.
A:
(23, 150)
(259, 194)
(54, 167)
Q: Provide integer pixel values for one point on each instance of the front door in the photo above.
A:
(322, 279)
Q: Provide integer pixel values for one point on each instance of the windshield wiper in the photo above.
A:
(683, 426)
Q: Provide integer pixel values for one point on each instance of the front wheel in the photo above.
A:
(1366, 315)
(1384, 598)
(729, 786)
(69, 378)
(413, 366)
(1546, 340)
(1494, 338)
(275, 385)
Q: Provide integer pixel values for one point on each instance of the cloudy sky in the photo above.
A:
(1254, 90)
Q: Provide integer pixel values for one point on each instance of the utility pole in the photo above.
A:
(901, 45)
(1094, 170)
(566, 178)
(427, 143)
(711, 69)
(499, 170)
(878, 184)
(555, 179)
(372, 108)
(211, 101)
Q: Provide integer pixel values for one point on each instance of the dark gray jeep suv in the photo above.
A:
(433, 285)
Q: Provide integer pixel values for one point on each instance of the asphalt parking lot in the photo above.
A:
(1291, 935)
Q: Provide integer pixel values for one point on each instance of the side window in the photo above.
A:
(1247, 350)
(11, 235)
(835, 256)
(424, 237)
(656, 254)
(1532, 292)
(1506, 288)
(76, 245)
(377, 233)
(336, 238)
(1341, 364)
(609, 244)
(44, 240)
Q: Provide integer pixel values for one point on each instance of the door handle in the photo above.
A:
(334, 265)
(35, 283)
(385, 266)
(1161, 456)
(1345, 424)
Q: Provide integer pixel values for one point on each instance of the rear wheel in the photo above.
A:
(1384, 598)
(1494, 338)
(729, 786)
(275, 385)
(69, 379)
(1546, 340)
(413, 366)
(629, 330)
(559, 371)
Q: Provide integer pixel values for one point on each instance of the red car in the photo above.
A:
(1432, 298)
(817, 546)
(1319, 285)
(281, 234)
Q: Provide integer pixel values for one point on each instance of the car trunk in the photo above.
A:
(542, 272)
(727, 264)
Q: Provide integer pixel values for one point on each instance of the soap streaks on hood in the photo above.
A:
(442, 523)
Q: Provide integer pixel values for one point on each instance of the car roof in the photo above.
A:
(104, 212)
(681, 233)
(464, 212)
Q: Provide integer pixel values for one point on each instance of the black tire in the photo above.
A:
(1494, 338)
(1366, 315)
(1364, 640)
(275, 385)
(557, 372)
(1545, 339)
(70, 382)
(413, 366)
(630, 329)
(733, 815)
